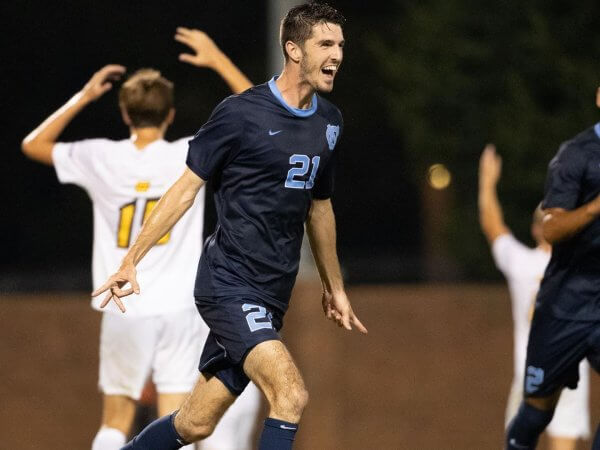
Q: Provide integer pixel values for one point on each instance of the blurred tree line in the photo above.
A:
(459, 73)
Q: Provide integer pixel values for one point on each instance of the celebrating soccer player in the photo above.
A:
(523, 268)
(271, 153)
(564, 329)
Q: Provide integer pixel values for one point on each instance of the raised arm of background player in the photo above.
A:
(38, 144)
(320, 227)
(207, 54)
(490, 211)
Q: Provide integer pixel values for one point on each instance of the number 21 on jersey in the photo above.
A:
(294, 173)
(126, 216)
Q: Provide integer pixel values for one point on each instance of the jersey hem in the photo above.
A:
(241, 292)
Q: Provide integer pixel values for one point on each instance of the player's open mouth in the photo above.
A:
(329, 70)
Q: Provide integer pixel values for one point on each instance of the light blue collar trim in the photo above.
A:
(597, 129)
(295, 111)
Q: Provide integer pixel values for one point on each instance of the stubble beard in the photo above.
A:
(306, 72)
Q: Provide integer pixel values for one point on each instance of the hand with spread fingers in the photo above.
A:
(208, 54)
(100, 82)
(206, 51)
(114, 285)
(338, 309)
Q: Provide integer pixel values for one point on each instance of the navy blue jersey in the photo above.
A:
(571, 285)
(267, 161)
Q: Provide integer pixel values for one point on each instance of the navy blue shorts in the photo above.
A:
(555, 348)
(237, 325)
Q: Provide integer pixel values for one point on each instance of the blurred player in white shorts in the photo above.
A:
(524, 268)
(162, 334)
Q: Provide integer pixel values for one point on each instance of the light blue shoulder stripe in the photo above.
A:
(597, 129)
(295, 111)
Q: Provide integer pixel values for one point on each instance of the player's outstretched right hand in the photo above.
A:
(114, 285)
(206, 52)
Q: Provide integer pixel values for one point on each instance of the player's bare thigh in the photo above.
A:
(202, 409)
(271, 367)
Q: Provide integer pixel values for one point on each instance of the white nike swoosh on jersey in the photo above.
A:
(516, 444)
(273, 133)
(285, 427)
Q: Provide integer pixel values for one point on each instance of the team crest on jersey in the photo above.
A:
(332, 134)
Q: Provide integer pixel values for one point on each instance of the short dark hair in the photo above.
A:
(147, 97)
(297, 24)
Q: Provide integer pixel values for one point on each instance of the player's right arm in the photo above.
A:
(320, 227)
(177, 200)
(38, 144)
(207, 54)
(563, 217)
(490, 212)
(560, 224)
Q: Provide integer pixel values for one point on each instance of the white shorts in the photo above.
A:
(572, 415)
(166, 346)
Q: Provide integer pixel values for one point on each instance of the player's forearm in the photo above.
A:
(170, 208)
(38, 144)
(320, 227)
(560, 224)
(491, 218)
(237, 81)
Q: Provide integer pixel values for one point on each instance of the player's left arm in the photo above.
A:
(208, 54)
(320, 227)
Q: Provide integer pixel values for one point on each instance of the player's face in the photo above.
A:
(322, 56)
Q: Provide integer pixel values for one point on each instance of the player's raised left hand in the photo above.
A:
(206, 51)
(114, 286)
(337, 308)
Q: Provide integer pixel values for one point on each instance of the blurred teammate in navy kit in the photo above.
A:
(270, 153)
(566, 323)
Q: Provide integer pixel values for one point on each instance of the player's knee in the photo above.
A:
(194, 429)
(292, 402)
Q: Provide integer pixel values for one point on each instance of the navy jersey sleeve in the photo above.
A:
(217, 141)
(565, 174)
(323, 188)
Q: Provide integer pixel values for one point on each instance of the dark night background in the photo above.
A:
(422, 82)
